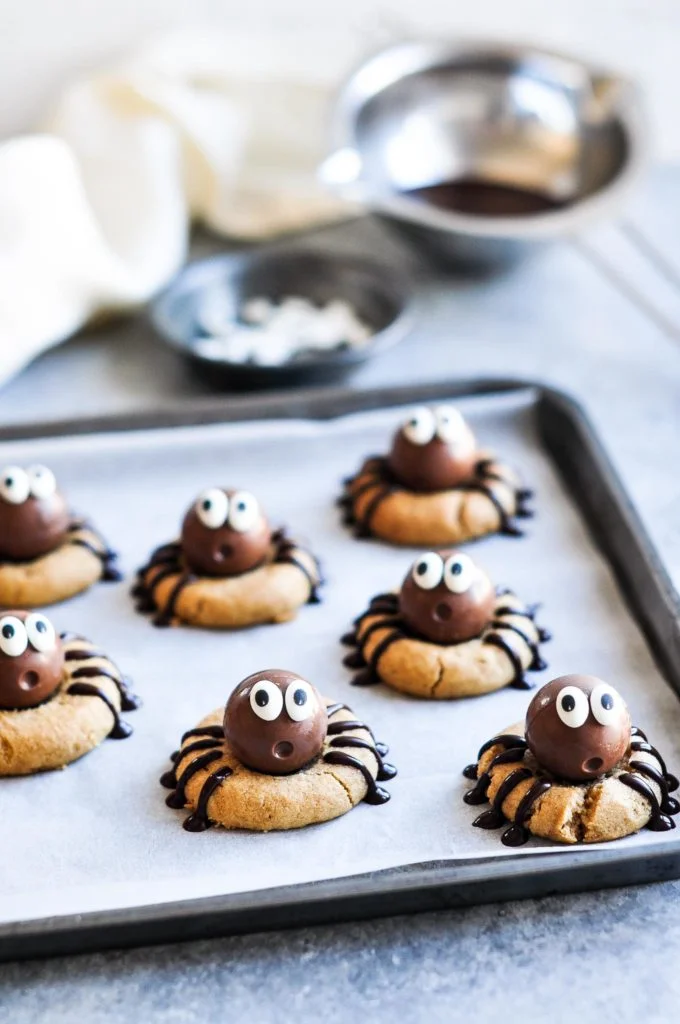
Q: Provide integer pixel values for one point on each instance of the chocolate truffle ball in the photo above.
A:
(578, 727)
(433, 451)
(31, 660)
(446, 598)
(225, 533)
(275, 722)
(34, 517)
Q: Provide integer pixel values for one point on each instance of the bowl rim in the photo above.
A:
(199, 271)
(388, 65)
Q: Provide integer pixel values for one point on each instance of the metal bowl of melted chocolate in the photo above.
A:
(478, 151)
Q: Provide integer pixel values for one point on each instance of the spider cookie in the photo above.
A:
(46, 554)
(575, 771)
(435, 487)
(228, 569)
(447, 633)
(279, 756)
(59, 696)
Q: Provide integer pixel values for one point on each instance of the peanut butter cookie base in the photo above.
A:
(528, 800)
(387, 651)
(377, 505)
(273, 592)
(210, 781)
(81, 560)
(84, 711)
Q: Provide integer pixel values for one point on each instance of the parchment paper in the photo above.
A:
(98, 835)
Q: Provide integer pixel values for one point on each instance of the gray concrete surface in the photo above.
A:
(601, 318)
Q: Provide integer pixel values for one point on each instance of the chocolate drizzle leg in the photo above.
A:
(286, 552)
(478, 793)
(519, 681)
(120, 730)
(494, 817)
(199, 820)
(98, 547)
(658, 821)
(178, 798)
(517, 834)
(374, 794)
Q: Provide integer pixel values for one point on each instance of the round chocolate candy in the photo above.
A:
(225, 533)
(34, 517)
(446, 598)
(578, 727)
(31, 660)
(434, 450)
(275, 722)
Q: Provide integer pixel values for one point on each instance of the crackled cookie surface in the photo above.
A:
(576, 771)
(435, 487)
(279, 756)
(448, 633)
(228, 570)
(59, 696)
(46, 555)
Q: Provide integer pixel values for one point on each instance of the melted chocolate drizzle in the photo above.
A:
(129, 701)
(107, 557)
(120, 730)
(514, 749)
(385, 771)
(199, 820)
(374, 794)
(378, 476)
(178, 798)
(167, 560)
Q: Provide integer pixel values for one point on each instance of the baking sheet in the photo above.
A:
(98, 835)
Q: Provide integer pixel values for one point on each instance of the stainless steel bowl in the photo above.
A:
(379, 294)
(478, 150)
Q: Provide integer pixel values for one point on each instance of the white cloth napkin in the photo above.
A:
(94, 211)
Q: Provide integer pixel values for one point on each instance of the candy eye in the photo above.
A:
(41, 633)
(15, 486)
(42, 481)
(212, 508)
(266, 700)
(13, 636)
(459, 573)
(300, 701)
(450, 423)
(428, 570)
(244, 511)
(572, 706)
(420, 427)
(605, 704)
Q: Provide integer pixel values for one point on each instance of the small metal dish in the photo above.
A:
(379, 294)
(480, 150)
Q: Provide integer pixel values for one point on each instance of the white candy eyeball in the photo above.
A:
(15, 487)
(572, 706)
(244, 511)
(300, 700)
(41, 633)
(420, 426)
(212, 508)
(13, 636)
(42, 481)
(450, 423)
(605, 704)
(428, 570)
(459, 573)
(266, 700)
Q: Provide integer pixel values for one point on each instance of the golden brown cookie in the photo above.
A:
(527, 799)
(211, 781)
(80, 560)
(83, 711)
(375, 504)
(388, 651)
(273, 592)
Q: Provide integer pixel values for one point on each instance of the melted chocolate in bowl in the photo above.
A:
(479, 198)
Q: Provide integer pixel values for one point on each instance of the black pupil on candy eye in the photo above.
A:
(241, 506)
(261, 698)
(607, 701)
(207, 505)
(9, 480)
(41, 626)
(422, 568)
(456, 568)
(568, 703)
(8, 632)
(300, 697)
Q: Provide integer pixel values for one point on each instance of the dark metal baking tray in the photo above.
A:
(594, 487)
